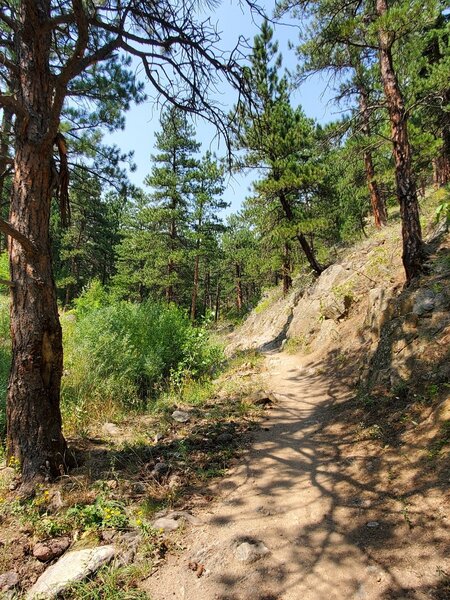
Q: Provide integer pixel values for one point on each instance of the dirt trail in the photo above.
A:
(320, 502)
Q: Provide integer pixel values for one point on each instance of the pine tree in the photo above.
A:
(171, 182)
(208, 186)
(377, 29)
(49, 51)
(278, 139)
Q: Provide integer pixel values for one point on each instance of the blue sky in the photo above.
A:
(233, 20)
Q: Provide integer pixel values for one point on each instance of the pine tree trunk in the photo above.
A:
(444, 162)
(4, 151)
(207, 292)
(34, 426)
(239, 299)
(287, 279)
(304, 245)
(195, 288)
(378, 207)
(406, 188)
(217, 302)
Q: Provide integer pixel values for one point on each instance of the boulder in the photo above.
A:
(335, 307)
(332, 277)
(72, 567)
(380, 309)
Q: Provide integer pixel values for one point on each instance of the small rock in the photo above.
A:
(139, 487)
(183, 514)
(8, 580)
(56, 502)
(261, 398)
(108, 535)
(225, 438)
(50, 549)
(110, 429)
(250, 551)
(129, 542)
(158, 437)
(166, 524)
(181, 416)
(373, 524)
(73, 566)
(159, 470)
(424, 302)
(132, 537)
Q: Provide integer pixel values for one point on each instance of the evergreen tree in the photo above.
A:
(49, 51)
(84, 250)
(278, 140)
(171, 180)
(206, 224)
(377, 29)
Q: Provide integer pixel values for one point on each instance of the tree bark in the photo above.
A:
(207, 292)
(304, 245)
(406, 188)
(217, 301)
(5, 144)
(287, 279)
(378, 206)
(444, 162)
(195, 287)
(34, 422)
(239, 299)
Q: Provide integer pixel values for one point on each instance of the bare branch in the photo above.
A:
(7, 282)
(11, 231)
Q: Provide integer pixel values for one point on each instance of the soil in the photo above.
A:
(346, 510)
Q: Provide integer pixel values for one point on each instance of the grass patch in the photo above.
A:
(297, 344)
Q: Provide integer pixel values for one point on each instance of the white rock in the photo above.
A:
(250, 551)
(373, 524)
(72, 567)
(166, 524)
(110, 429)
(181, 416)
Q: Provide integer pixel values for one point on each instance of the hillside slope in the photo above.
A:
(359, 315)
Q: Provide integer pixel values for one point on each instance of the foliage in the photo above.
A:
(118, 356)
(102, 514)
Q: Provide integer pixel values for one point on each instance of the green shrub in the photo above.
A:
(119, 356)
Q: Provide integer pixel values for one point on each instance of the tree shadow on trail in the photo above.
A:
(371, 496)
(367, 464)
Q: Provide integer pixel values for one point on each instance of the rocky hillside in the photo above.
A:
(359, 315)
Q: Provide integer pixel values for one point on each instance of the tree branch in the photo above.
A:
(25, 242)
(7, 282)
(8, 101)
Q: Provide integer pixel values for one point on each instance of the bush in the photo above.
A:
(119, 356)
